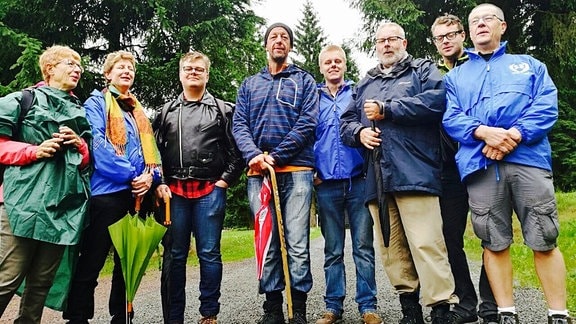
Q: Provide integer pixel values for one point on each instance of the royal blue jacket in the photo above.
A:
(334, 160)
(112, 173)
(277, 114)
(505, 91)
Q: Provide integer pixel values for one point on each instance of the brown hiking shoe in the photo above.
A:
(329, 318)
(371, 318)
(208, 320)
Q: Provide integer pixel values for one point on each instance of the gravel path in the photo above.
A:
(242, 304)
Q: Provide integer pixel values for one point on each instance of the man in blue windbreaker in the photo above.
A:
(500, 108)
(339, 184)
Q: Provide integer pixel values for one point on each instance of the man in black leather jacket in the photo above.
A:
(200, 160)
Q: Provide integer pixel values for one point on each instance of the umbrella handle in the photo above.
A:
(167, 220)
(137, 203)
(129, 308)
(282, 240)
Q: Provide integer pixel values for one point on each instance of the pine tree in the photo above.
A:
(309, 41)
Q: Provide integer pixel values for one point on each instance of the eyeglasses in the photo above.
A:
(193, 69)
(449, 36)
(487, 19)
(390, 40)
(71, 65)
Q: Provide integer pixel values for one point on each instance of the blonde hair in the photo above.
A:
(52, 55)
(332, 48)
(448, 20)
(193, 56)
(115, 57)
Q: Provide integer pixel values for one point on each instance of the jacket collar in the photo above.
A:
(207, 99)
(500, 51)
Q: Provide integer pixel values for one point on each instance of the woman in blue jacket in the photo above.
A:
(126, 162)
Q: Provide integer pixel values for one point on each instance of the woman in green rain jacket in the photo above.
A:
(46, 181)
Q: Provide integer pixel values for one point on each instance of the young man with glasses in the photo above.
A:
(200, 161)
(448, 36)
(397, 109)
(500, 108)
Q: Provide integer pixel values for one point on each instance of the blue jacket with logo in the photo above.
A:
(505, 91)
(334, 160)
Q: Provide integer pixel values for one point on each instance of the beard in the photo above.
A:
(389, 60)
(279, 58)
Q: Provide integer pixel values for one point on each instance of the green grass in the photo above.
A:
(522, 257)
(236, 245)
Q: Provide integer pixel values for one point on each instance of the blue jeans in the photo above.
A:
(335, 199)
(295, 191)
(202, 217)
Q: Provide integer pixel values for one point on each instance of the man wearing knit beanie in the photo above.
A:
(286, 28)
(276, 112)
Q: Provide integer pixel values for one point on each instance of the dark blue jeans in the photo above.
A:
(335, 199)
(203, 218)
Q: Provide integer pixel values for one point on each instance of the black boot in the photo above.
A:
(298, 307)
(411, 309)
(273, 313)
(439, 314)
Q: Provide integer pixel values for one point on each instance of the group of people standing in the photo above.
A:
(468, 133)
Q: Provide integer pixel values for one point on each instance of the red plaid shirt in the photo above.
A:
(191, 188)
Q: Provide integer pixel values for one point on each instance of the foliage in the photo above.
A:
(157, 32)
(237, 207)
(309, 41)
(352, 70)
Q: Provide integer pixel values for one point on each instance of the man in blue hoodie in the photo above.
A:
(500, 108)
(339, 183)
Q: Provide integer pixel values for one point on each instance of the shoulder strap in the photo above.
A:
(25, 105)
(221, 106)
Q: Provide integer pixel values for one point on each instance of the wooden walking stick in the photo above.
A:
(280, 226)
(167, 220)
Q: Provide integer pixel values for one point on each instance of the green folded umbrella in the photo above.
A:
(135, 239)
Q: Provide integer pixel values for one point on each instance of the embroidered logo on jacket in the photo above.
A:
(519, 68)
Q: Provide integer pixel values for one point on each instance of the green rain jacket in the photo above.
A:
(46, 200)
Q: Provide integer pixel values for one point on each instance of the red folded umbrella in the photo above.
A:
(263, 227)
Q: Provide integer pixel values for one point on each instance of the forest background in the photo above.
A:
(230, 33)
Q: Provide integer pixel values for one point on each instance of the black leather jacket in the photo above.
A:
(195, 140)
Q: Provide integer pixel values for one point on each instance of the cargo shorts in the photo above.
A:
(503, 188)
